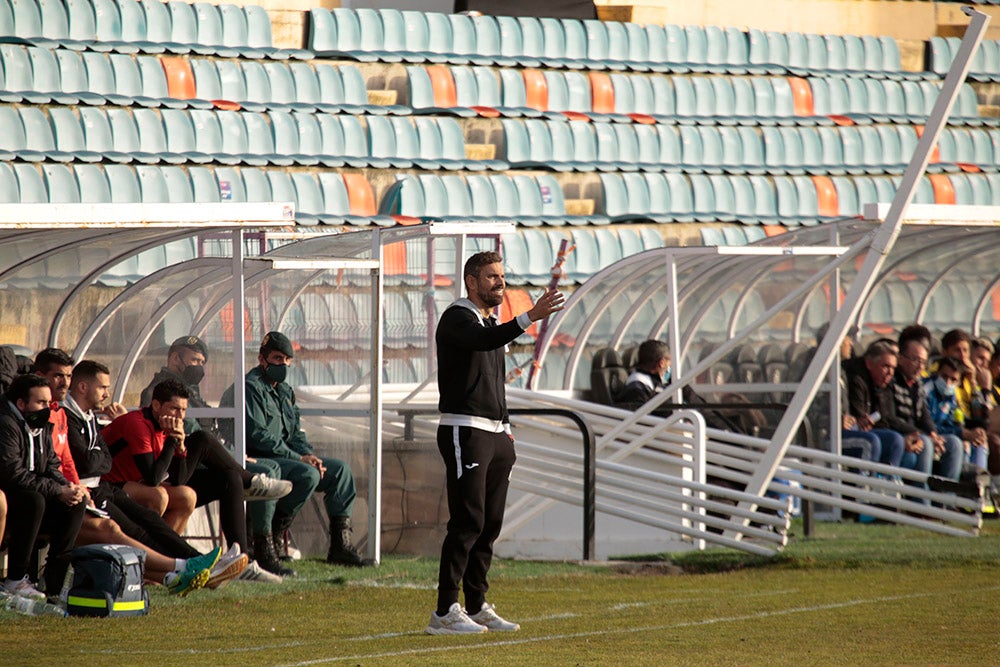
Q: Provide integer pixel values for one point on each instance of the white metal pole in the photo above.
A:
(375, 408)
(881, 245)
(239, 351)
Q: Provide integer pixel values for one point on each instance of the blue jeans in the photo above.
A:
(979, 455)
(865, 446)
(893, 447)
(950, 463)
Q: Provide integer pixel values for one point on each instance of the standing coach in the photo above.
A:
(475, 440)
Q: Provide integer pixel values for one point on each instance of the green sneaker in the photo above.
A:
(196, 573)
(205, 562)
(182, 583)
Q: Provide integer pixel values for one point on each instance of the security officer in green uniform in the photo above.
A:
(273, 431)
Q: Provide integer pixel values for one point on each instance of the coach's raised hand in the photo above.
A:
(548, 303)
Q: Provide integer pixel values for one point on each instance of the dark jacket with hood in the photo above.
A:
(28, 462)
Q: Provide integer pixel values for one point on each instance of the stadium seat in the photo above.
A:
(152, 137)
(68, 135)
(60, 184)
(91, 184)
(152, 185)
(123, 183)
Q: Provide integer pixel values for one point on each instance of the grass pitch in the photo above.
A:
(873, 595)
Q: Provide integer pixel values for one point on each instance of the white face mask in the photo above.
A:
(943, 387)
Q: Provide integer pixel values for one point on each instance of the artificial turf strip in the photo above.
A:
(854, 595)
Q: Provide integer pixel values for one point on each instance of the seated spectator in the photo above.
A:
(56, 367)
(40, 499)
(993, 434)
(919, 333)
(982, 399)
(274, 431)
(159, 466)
(651, 374)
(957, 345)
(870, 400)
(912, 415)
(128, 522)
(186, 365)
(942, 402)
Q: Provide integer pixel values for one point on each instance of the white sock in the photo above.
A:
(180, 564)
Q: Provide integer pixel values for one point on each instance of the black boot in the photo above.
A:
(279, 527)
(342, 552)
(263, 551)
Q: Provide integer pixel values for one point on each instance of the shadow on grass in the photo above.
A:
(847, 546)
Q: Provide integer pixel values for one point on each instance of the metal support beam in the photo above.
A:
(881, 245)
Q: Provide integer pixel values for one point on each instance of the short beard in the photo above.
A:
(490, 298)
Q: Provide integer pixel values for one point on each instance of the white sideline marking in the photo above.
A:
(373, 583)
(621, 631)
(194, 651)
(658, 603)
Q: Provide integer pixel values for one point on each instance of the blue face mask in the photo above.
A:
(944, 388)
(667, 375)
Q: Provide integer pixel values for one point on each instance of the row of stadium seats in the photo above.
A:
(119, 134)
(530, 254)
(40, 75)
(671, 197)
(150, 26)
(179, 136)
(327, 196)
(756, 100)
(985, 63)
(390, 35)
(875, 149)
(332, 197)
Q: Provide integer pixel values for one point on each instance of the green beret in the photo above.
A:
(191, 343)
(275, 340)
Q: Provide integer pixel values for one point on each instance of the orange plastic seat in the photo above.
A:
(443, 85)
(602, 93)
(360, 195)
(802, 97)
(944, 190)
(826, 194)
(180, 78)
(536, 89)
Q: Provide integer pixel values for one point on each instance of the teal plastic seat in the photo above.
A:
(68, 135)
(123, 183)
(60, 184)
(92, 184)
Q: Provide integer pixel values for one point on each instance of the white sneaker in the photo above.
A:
(263, 487)
(229, 566)
(489, 618)
(254, 572)
(455, 622)
(22, 588)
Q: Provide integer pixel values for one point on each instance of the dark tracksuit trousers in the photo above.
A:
(478, 466)
(219, 477)
(141, 523)
(30, 514)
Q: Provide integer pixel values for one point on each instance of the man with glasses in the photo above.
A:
(912, 416)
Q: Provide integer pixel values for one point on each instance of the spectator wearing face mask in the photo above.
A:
(651, 374)
(261, 481)
(40, 498)
(949, 418)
